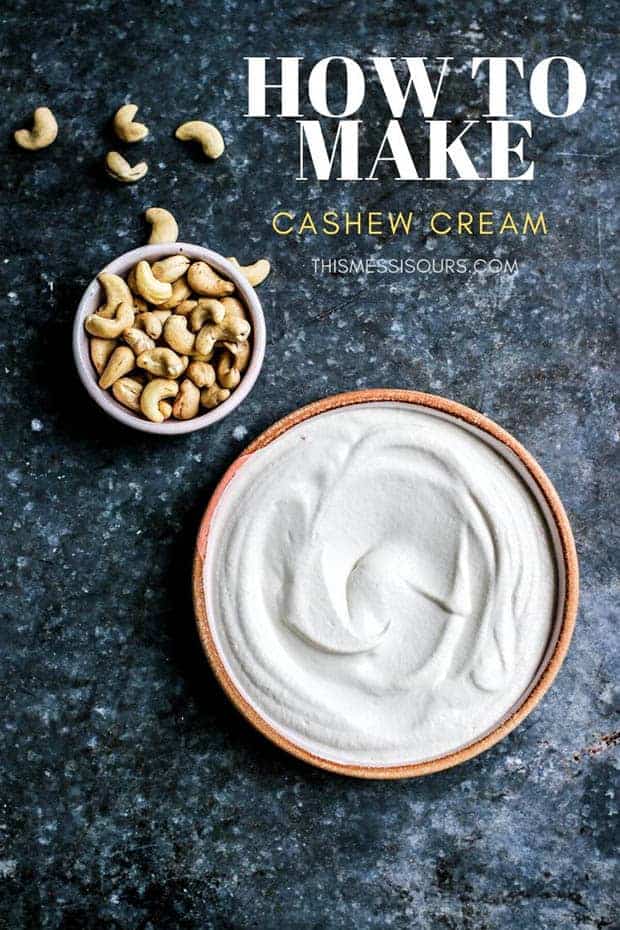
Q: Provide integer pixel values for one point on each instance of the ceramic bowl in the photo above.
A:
(565, 557)
(93, 298)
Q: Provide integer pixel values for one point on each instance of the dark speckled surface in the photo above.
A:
(132, 795)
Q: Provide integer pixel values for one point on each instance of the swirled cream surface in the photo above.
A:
(380, 584)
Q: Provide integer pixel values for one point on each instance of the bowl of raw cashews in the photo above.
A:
(170, 337)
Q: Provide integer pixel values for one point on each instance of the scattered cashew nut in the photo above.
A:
(209, 137)
(124, 125)
(254, 274)
(163, 225)
(155, 392)
(120, 169)
(121, 362)
(43, 133)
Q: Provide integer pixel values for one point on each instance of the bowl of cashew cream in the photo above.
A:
(385, 583)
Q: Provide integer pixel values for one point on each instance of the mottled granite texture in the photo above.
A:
(133, 796)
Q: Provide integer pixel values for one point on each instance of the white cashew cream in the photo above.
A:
(380, 584)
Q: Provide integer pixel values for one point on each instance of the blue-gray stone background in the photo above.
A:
(132, 795)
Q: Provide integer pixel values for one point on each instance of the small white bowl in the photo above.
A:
(92, 299)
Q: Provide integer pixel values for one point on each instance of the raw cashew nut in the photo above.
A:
(124, 126)
(241, 352)
(254, 274)
(171, 269)
(210, 397)
(206, 134)
(185, 307)
(44, 131)
(104, 328)
(161, 314)
(154, 392)
(120, 169)
(201, 373)
(165, 409)
(233, 328)
(161, 362)
(121, 363)
(147, 285)
(116, 292)
(205, 281)
(100, 352)
(227, 374)
(163, 225)
(177, 334)
(138, 341)
(207, 310)
(150, 323)
(187, 403)
(127, 392)
(180, 293)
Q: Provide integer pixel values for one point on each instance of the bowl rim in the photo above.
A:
(566, 548)
(121, 265)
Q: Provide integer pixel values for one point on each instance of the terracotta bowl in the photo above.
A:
(567, 573)
(93, 298)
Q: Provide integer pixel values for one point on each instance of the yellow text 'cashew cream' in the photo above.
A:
(381, 584)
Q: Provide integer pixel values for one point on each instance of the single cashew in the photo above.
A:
(185, 307)
(170, 269)
(177, 334)
(205, 281)
(44, 131)
(150, 323)
(254, 274)
(100, 352)
(210, 397)
(233, 328)
(163, 225)
(227, 374)
(201, 373)
(241, 352)
(124, 126)
(161, 362)
(187, 403)
(105, 328)
(180, 293)
(206, 134)
(116, 292)
(147, 285)
(207, 310)
(154, 392)
(120, 363)
(120, 169)
(127, 392)
(138, 341)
